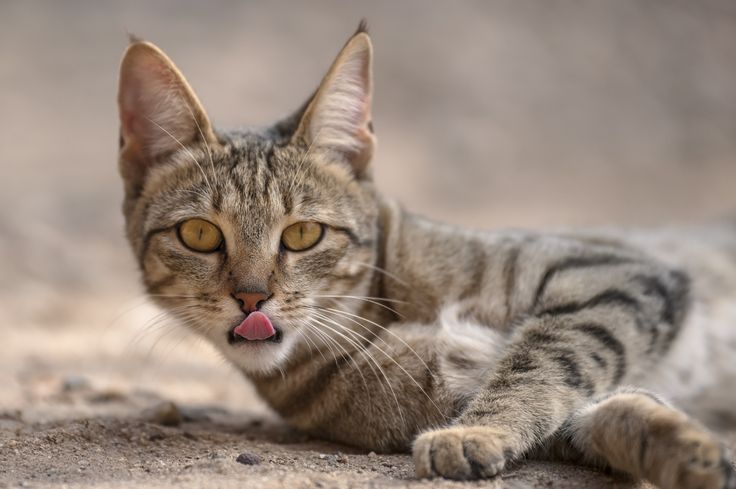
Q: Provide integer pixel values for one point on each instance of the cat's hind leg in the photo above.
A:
(635, 432)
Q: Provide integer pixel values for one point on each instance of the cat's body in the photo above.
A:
(362, 323)
(460, 323)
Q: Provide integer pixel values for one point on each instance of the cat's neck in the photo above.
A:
(425, 263)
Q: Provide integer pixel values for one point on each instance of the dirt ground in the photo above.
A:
(488, 113)
(208, 446)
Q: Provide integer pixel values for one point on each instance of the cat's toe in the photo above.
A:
(696, 460)
(461, 453)
(707, 466)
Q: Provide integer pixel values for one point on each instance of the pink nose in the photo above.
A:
(249, 301)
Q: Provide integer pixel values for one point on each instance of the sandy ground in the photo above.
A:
(489, 114)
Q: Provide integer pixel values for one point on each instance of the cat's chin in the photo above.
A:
(258, 357)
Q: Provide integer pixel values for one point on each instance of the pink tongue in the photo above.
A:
(256, 326)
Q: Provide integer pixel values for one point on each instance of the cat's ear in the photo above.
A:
(338, 117)
(159, 112)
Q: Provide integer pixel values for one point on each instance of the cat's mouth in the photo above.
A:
(256, 327)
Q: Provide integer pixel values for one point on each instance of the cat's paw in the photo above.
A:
(461, 452)
(691, 458)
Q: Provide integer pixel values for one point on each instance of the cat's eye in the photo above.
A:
(200, 235)
(302, 235)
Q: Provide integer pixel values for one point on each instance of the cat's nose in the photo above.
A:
(250, 301)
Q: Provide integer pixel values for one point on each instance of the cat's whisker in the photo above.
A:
(401, 367)
(344, 331)
(360, 349)
(310, 342)
(323, 339)
(384, 380)
(388, 274)
(333, 296)
(184, 335)
(168, 331)
(206, 144)
(176, 296)
(372, 300)
(368, 355)
(155, 323)
(196, 192)
(189, 152)
(347, 314)
(368, 330)
(171, 315)
(364, 354)
(142, 300)
(329, 342)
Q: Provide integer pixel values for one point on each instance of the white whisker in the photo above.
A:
(191, 155)
(361, 348)
(387, 330)
(206, 144)
(372, 300)
(401, 367)
(385, 272)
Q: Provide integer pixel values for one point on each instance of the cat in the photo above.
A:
(362, 323)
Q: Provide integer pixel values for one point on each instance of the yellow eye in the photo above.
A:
(301, 236)
(200, 235)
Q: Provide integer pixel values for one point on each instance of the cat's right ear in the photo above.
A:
(159, 112)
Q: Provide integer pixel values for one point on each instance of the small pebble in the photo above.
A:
(372, 455)
(247, 458)
(106, 396)
(322, 456)
(74, 383)
(342, 458)
(165, 413)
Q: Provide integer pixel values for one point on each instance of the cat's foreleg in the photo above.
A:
(572, 347)
(542, 379)
(635, 432)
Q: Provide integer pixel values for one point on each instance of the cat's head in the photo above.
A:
(249, 237)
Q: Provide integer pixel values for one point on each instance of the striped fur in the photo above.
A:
(470, 348)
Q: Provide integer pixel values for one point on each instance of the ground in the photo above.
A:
(85, 432)
(489, 113)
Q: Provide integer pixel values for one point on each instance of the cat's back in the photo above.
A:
(699, 372)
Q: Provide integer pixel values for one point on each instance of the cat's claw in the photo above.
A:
(472, 452)
(693, 459)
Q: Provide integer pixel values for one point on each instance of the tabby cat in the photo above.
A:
(362, 323)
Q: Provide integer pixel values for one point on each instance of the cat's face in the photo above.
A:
(250, 238)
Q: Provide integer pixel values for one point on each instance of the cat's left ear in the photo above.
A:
(338, 118)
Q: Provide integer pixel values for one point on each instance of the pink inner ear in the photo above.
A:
(154, 110)
(127, 123)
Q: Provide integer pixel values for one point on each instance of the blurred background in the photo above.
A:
(515, 113)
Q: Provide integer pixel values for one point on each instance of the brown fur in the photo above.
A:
(488, 346)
